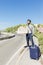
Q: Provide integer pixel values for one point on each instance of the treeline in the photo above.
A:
(13, 28)
(40, 25)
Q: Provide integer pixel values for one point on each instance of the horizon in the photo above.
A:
(16, 25)
(14, 12)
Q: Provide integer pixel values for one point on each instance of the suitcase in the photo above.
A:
(34, 52)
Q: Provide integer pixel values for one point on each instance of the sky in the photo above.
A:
(14, 12)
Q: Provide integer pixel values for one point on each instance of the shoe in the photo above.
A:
(26, 46)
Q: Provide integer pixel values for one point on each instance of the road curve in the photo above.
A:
(9, 47)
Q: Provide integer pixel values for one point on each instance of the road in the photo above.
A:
(9, 47)
(25, 59)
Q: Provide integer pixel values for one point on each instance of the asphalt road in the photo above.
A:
(9, 47)
(25, 59)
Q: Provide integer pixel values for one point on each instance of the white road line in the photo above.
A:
(21, 56)
(14, 55)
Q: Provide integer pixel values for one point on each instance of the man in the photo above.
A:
(30, 32)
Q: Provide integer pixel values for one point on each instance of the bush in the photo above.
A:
(14, 28)
(40, 38)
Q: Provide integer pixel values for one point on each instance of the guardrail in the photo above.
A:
(7, 37)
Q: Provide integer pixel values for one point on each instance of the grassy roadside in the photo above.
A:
(40, 38)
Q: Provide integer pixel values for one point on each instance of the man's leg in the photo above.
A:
(31, 39)
(27, 39)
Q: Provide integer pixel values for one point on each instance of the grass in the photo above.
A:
(14, 28)
(40, 38)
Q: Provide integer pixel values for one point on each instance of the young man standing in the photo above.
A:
(30, 32)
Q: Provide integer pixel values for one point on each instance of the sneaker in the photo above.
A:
(26, 46)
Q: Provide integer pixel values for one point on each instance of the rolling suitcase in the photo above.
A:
(34, 52)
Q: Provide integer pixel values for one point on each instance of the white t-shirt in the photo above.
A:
(30, 29)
